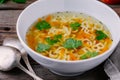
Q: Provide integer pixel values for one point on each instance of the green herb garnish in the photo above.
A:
(50, 41)
(43, 25)
(72, 43)
(84, 56)
(20, 1)
(75, 25)
(55, 39)
(89, 55)
(100, 35)
(2, 1)
(42, 47)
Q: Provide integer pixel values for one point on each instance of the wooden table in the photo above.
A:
(9, 13)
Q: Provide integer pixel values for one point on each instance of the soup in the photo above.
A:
(68, 36)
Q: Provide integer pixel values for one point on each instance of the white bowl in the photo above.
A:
(90, 7)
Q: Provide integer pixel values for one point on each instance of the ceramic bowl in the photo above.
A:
(91, 7)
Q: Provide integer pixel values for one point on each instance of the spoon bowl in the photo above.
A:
(15, 43)
(10, 58)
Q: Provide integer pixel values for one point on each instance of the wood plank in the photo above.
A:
(9, 4)
(15, 6)
(9, 17)
(8, 20)
(5, 35)
(117, 10)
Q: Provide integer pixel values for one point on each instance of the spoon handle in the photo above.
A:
(28, 72)
(25, 58)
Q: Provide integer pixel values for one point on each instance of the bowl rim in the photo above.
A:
(64, 61)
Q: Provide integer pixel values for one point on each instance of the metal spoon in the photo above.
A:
(14, 57)
(15, 43)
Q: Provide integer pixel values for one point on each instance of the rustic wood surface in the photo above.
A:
(9, 13)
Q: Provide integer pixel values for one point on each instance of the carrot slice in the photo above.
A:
(82, 34)
(109, 41)
(72, 57)
(55, 23)
(48, 18)
(31, 41)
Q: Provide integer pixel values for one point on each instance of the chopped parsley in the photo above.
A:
(75, 25)
(17, 1)
(20, 1)
(50, 41)
(55, 39)
(2, 1)
(100, 35)
(71, 43)
(42, 47)
(43, 25)
(88, 55)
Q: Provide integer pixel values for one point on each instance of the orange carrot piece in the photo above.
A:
(109, 41)
(33, 28)
(31, 41)
(104, 49)
(78, 20)
(62, 50)
(72, 56)
(55, 23)
(82, 34)
(48, 18)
